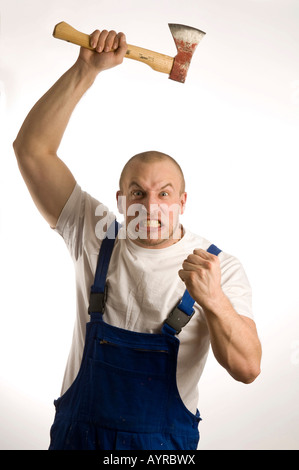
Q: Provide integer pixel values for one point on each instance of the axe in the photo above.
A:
(185, 38)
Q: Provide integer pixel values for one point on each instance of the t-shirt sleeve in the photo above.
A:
(83, 221)
(235, 285)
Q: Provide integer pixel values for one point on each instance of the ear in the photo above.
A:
(183, 202)
(120, 202)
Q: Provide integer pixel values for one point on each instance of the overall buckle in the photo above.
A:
(97, 301)
(178, 319)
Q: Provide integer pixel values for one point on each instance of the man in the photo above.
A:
(136, 385)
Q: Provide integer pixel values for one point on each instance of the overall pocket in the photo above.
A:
(129, 392)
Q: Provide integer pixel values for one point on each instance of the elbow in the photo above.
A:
(20, 154)
(248, 375)
(18, 149)
(25, 153)
(24, 147)
(27, 150)
(251, 378)
(25, 159)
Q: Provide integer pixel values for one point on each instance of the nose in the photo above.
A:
(150, 202)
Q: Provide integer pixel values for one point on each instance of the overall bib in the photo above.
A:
(125, 396)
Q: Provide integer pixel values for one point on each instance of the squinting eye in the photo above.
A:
(137, 193)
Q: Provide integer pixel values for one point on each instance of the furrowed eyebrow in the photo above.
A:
(134, 183)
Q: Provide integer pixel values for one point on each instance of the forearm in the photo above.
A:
(42, 130)
(49, 180)
(234, 341)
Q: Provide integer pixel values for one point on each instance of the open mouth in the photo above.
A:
(148, 229)
(150, 223)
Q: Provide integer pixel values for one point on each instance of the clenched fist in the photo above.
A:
(109, 50)
(202, 276)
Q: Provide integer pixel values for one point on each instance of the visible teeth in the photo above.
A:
(151, 223)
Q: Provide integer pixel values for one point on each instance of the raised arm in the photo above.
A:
(48, 179)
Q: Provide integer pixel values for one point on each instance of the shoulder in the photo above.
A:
(83, 221)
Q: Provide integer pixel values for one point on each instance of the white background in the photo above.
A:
(233, 126)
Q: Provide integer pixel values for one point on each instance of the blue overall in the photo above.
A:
(125, 396)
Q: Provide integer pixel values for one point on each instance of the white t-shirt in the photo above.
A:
(143, 288)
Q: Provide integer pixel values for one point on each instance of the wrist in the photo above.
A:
(86, 72)
(217, 305)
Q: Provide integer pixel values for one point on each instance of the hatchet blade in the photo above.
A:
(186, 39)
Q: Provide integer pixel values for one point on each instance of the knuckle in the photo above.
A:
(193, 277)
(119, 60)
(214, 261)
(200, 274)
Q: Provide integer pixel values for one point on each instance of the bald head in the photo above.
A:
(149, 157)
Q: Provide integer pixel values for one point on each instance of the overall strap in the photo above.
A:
(98, 291)
(184, 311)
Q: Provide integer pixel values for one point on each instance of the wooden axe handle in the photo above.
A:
(159, 62)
